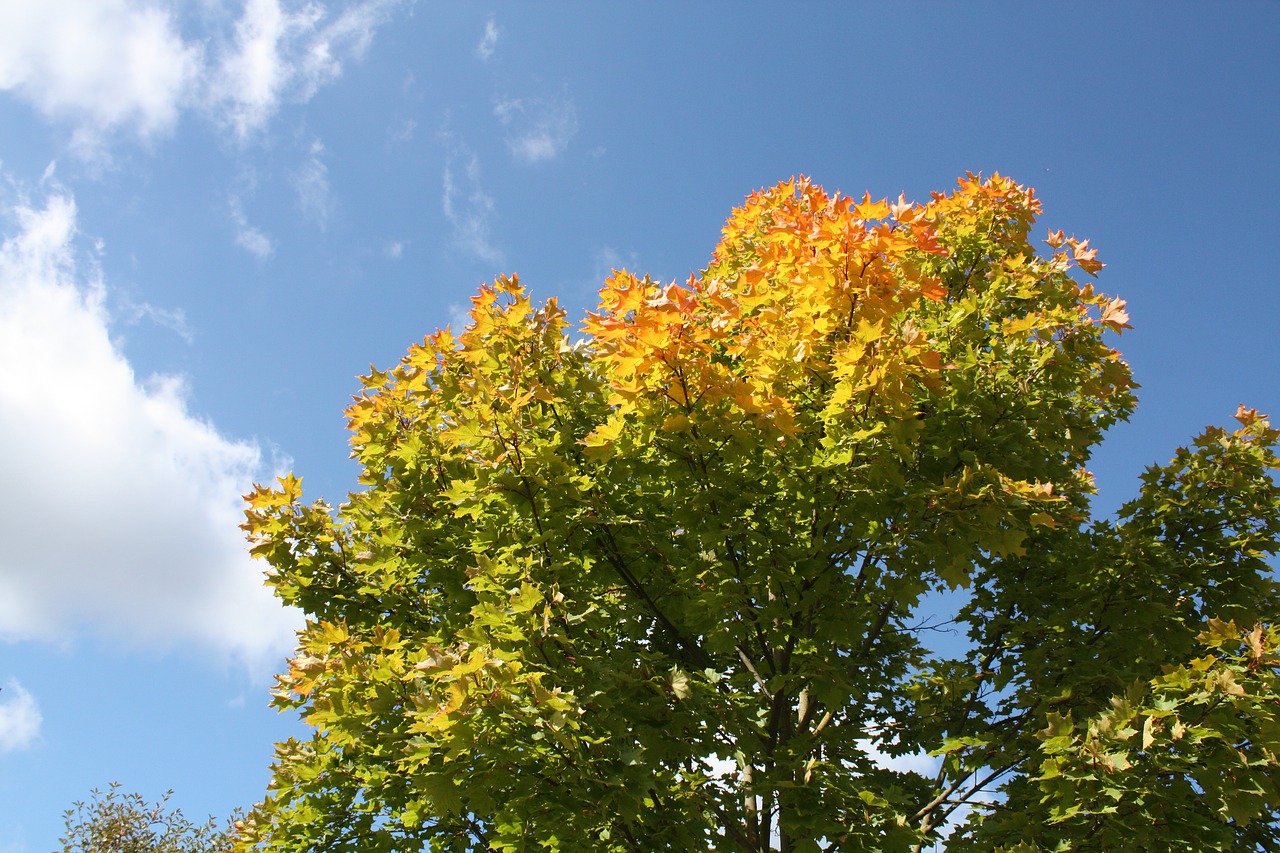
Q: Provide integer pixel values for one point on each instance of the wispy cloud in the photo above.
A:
(311, 183)
(19, 718)
(173, 319)
(281, 53)
(249, 238)
(467, 206)
(538, 129)
(607, 260)
(402, 131)
(126, 522)
(110, 65)
(459, 317)
(489, 40)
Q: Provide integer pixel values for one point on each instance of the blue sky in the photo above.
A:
(217, 213)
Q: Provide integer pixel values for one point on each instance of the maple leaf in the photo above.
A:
(905, 211)
(1087, 258)
(868, 209)
(1114, 316)
(1248, 417)
(933, 288)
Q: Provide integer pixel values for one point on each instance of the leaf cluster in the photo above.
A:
(117, 822)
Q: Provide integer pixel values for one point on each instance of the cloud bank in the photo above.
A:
(121, 508)
(110, 65)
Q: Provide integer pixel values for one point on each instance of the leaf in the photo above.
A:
(1219, 634)
(679, 680)
(676, 423)
(1059, 725)
(933, 289)
(1087, 258)
(599, 442)
(1226, 682)
(868, 209)
(527, 598)
(1114, 316)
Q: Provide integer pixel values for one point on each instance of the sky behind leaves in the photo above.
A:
(216, 214)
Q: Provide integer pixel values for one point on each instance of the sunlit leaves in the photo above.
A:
(1192, 754)
(652, 583)
(127, 823)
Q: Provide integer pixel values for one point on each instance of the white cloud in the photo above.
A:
(489, 40)
(311, 182)
(249, 79)
(19, 718)
(99, 63)
(281, 52)
(468, 207)
(121, 511)
(914, 762)
(540, 129)
(249, 238)
(394, 249)
(106, 65)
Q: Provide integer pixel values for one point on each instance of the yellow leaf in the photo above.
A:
(1218, 633)
(291, 486)
(675, 423)
(599, 442)
(869, 209)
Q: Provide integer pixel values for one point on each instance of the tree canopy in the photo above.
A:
(655, 582)
(116, 822)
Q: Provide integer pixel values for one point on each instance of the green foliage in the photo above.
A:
(114, 822)
(657, 588)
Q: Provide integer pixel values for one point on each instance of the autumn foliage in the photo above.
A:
(655, 582)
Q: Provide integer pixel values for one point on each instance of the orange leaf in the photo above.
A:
(1114, 316)
(1248, 417)
(1087, 258)
(932, 288)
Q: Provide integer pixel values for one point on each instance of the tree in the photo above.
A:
(659, 587)
(113, 822)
